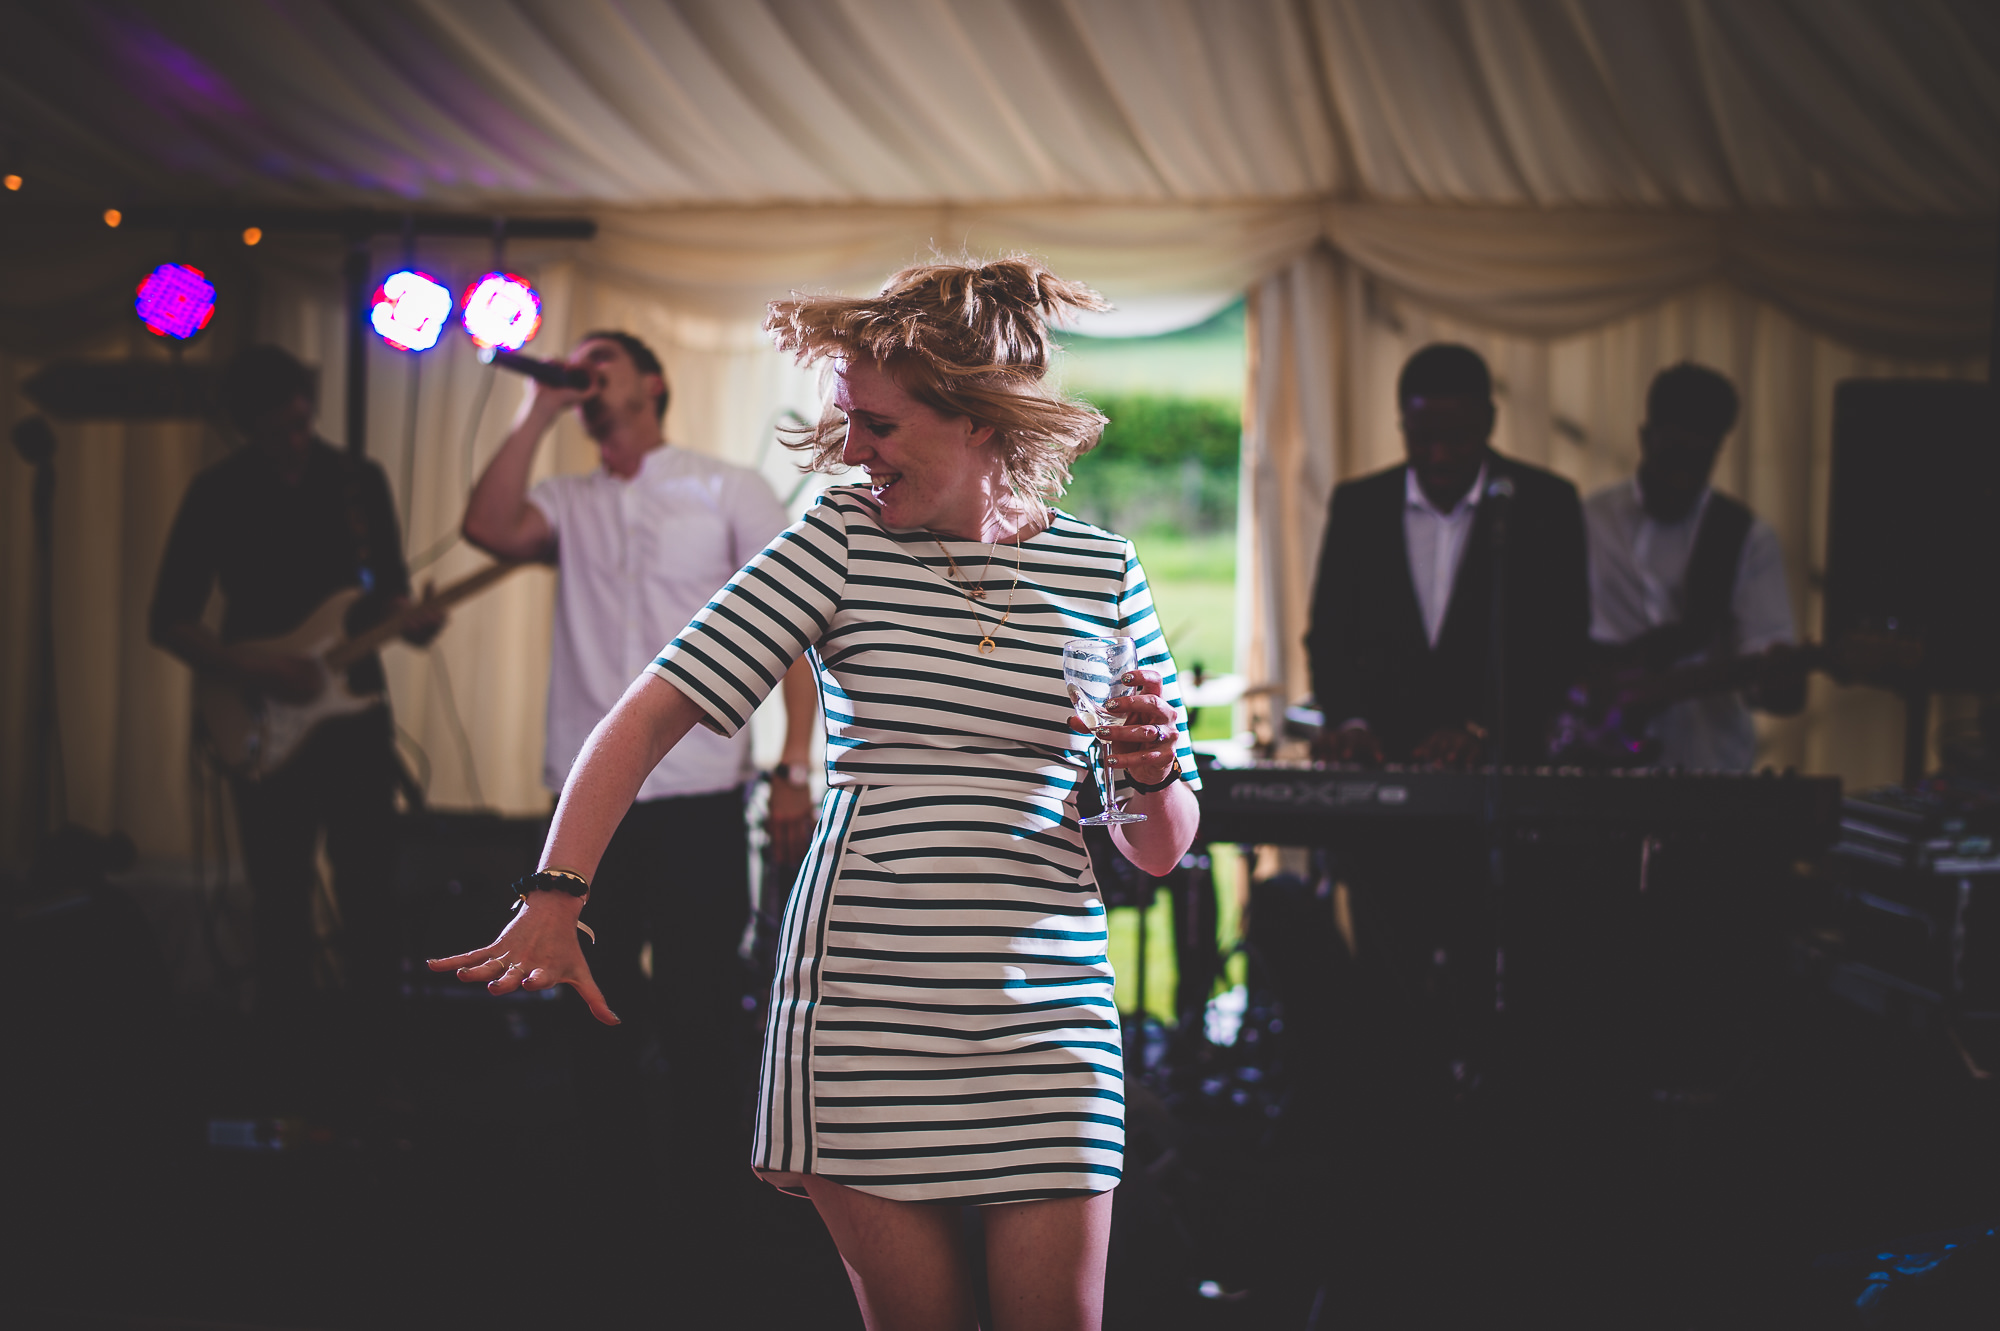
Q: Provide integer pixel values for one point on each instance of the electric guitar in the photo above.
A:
(253, 736)
(1606, 721)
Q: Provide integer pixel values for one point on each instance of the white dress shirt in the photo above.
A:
(636, 560)
(1436, 545)
(1638, 581)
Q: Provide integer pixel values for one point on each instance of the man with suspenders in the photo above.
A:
(1680, 573)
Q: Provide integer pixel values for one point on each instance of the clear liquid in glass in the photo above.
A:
(1093, 670)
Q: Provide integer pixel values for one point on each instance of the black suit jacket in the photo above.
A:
(1370, 656)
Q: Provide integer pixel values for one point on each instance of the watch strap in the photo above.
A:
(1153, 787)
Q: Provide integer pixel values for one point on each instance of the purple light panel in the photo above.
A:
(502, 310)
(175, 301)
(411, 310)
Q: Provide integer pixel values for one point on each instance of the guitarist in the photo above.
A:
(281, 524)
(1680, 574)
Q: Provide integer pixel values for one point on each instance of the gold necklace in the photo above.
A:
(977, 591)
(986, 644)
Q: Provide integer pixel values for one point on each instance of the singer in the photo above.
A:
(641, 543)
(1401, 616)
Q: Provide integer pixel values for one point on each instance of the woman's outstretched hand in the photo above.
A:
(539, 948)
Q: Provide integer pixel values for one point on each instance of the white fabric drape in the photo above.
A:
(1585, 189)
(1328, 328)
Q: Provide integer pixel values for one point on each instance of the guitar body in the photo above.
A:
(253, 736)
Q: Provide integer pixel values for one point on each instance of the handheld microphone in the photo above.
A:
(551, 372)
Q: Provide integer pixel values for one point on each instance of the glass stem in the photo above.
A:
(1107, 777)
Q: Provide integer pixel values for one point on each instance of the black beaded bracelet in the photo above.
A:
(554, 880)
(1153, 788)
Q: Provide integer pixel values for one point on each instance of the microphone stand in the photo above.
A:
(1499, 497)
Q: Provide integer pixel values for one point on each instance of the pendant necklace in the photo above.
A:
(973, 596)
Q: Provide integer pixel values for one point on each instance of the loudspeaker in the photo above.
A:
(1913, 536)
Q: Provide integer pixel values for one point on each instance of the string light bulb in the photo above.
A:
(252, 234)
(11, 181)
(112, 217)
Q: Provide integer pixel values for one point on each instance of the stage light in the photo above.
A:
(252, 234)
(11, 181)
(502, 310)
(411, 310)
(112, 217)
(175, 301)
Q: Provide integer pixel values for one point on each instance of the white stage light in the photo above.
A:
(502, 311)
(411, 310)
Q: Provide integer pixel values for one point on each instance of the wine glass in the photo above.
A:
(1093, 668)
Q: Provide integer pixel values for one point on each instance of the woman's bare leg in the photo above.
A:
(905, 1259)
(1045, 1263)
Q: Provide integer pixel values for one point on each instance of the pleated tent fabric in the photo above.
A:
(1793, 189)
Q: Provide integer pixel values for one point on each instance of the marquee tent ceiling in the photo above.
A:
(1859, 106)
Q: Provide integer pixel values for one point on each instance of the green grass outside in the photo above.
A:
(1194, 592)
(1192, 574)
(1161, 972)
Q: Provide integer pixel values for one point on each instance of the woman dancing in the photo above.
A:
(941, 1030)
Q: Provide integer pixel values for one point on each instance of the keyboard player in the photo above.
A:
(1401, 619)
(1400, 648)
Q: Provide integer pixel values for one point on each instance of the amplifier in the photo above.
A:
(1917, 894)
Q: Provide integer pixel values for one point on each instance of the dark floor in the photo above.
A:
(431, 1165)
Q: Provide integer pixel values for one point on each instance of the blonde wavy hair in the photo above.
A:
(965, 339)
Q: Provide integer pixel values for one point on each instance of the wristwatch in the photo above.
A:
(792, 774)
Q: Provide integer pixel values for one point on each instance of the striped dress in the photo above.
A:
(941, 1022)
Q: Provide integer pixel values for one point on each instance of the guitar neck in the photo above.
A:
(1717, 676)
(361, 644)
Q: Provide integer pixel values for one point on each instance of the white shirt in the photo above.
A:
(1638, 581)
(1436, 545)
(636, 560)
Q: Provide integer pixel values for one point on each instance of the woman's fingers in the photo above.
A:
(502, 972)
(461, 961)
(489, 969)
(593, 998)
(509, 979)
(1146, 681)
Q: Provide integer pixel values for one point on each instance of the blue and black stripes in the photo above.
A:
(908, 699)
(941, 1025)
